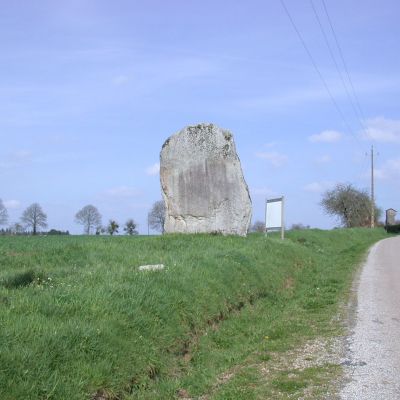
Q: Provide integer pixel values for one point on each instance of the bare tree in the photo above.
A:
(112, 227)
(3, 214)
(89, 217)
(130, 227)
(350, 205)
(299, 227)
(258, 226)
(156, 216)
(17, 229)
(34, 217)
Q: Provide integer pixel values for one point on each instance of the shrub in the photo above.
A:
(22, 279)
(393, 228)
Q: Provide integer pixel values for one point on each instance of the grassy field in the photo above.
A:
(79, 321)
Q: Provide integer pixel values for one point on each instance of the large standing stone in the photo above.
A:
(202, 182)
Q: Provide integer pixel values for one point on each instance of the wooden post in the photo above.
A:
(372, 189)
(283, 219)
(266, 229)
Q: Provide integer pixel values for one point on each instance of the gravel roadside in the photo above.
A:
(372, 365)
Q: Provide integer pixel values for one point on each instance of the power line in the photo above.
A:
(344, 62)
(318, 70)
(358, 116)
(358, 112)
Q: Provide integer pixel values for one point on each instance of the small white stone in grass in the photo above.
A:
(154, 267)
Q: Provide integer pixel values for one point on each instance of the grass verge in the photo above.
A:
(79, 321)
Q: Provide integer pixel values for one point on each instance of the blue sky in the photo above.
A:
(89, 91)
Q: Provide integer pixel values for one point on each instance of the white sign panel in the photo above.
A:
(274, 214)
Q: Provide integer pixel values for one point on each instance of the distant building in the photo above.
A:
(390, 217)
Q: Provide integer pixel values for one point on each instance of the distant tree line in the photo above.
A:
(18, 229)
(91, 220)
(259, 226)
(350, 205)
(33, 221)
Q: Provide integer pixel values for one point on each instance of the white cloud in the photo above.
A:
(367, 84)
(389, 170)
(120, 80)
(12, 204)
(326, 137)
(289, 98)
(22, 154)
(274, 158)
(382, 129)
(324, 159)
(123, 191)
(153, 169)
(263, 192)
(16, 159)
(318, 187)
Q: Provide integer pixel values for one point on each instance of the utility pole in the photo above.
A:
(372, 189)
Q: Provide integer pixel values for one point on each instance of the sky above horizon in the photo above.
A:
(90, 90)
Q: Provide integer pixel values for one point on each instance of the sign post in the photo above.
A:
(275, 215)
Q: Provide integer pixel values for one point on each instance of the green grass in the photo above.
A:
(79, 321)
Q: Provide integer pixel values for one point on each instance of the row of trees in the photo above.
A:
(259, 226)
(350, 205)
(34, 219)
(90, 218)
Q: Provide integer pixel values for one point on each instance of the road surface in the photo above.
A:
(372, 365)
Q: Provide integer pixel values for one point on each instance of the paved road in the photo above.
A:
(373, 359)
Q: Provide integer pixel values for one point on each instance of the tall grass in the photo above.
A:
(79, 321)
